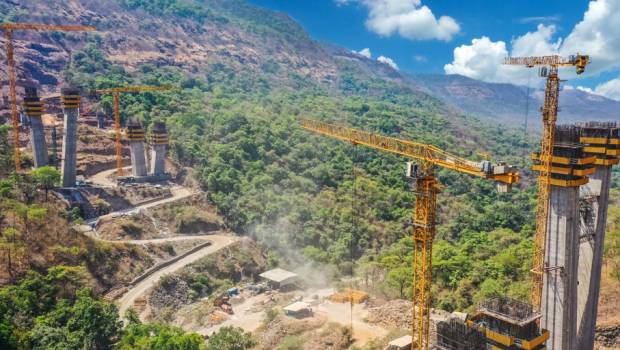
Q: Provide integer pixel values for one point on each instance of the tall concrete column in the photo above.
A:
(159, 143)
(136, 137)
(559, 310)
(34, 109)
(601, 141)
(569, 170)
(70, 105)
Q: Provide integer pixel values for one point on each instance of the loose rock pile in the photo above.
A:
(173, 294)
(608, 336)
(393, 314)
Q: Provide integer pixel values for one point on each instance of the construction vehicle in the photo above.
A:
(549, 66)
(426, 188)
(117, 115)
(10, 61)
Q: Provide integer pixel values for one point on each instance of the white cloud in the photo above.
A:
(538, 19)
(420, 58)
(483, 58)
(364, 52)
(386, 60)
(479, 61)
(585, 89)
(408, 18)
(610, 89)
(596, 35)
(536, 43)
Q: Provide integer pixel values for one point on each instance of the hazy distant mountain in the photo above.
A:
(509, 103)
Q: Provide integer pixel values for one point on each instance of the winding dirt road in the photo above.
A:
(178, 193)
(218, 242)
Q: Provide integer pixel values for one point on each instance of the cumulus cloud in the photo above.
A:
(407, 18)
(482, 59)
(479, 61)
(596, 34)
(610, 89)
(364, 52)
(386, 60)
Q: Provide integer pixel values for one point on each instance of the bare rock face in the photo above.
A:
(235, 34)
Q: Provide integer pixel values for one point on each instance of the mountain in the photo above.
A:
(508, 103)
(188, 35)
(270, 48)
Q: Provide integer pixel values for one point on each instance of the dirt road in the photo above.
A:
(178, 193)
(218, 242)
(103, 178)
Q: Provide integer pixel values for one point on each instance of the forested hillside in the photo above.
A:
(309, 199)
(243, 77)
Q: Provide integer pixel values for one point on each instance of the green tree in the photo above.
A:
(46, 177)
(159, 337)
(6, 154)
(230, 338)
(400, 279)
(11, 243)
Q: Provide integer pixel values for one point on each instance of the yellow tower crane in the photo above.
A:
(426, 188)
(116, 92)
(549, 69)
(10, 62)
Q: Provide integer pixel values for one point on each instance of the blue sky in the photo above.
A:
(389, 28)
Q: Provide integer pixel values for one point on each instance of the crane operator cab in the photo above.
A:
(580, 62)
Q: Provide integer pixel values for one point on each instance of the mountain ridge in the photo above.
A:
(193, 35)
(509, 103)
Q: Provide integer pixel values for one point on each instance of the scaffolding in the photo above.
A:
(509, 324)
(457, 335)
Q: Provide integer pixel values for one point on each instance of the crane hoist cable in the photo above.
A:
(527, 107)
(426, 189)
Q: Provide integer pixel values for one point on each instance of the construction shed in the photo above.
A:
(281, 279)
(402, 343)
(298, 310)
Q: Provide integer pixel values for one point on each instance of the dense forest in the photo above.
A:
(346, 209)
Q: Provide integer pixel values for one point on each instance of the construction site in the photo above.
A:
(573, 167)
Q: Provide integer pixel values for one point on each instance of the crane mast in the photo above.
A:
(549, 68)
(8, 34)
(117, 116)
(424, 217)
